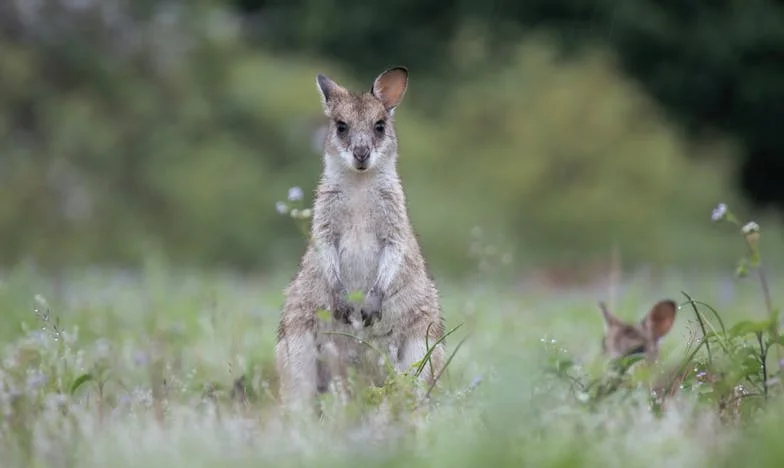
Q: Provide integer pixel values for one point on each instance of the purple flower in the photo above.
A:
(719, 213)
(295, 194)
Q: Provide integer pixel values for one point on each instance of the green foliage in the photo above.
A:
(729, 368)
(575, 159)
(178, 368)
(176, 147)
(180, 147)
(711, 65)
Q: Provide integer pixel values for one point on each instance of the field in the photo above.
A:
(553, 156)
(110, 368)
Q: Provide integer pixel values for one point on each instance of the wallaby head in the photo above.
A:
(624, 339)
(361, 135)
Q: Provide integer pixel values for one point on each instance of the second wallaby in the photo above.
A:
(623, 339)
(361, 242)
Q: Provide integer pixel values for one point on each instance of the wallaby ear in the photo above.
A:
(610, 320)
(328, 90)
(661, 317)
(390, 87)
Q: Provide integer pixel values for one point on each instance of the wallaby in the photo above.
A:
(623, 339)
(361, 241)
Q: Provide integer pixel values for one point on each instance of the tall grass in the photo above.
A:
(165, 367)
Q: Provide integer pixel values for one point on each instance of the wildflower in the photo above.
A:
(35, 380)
(750, 228)
(142, 397)
(295, 194)
(295, 213)
(140, 358)
(103, 348)
(475, 382)
(750, 231)
(281, 207)
(720, 212)
(55, 401)
(41, 301)
(306, 213)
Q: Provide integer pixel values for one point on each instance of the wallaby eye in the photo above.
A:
(379, 126)
(638, 350)
(341, 127)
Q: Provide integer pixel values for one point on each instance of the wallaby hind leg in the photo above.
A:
(415, 348)
(324, 376)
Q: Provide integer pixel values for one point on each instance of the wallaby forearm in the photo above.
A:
(330, 262)
(390, 263)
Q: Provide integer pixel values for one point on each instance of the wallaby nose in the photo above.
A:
(361, 153)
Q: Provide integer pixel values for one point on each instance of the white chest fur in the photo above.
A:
(359, 246)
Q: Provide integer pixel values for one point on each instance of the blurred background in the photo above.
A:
(545, 135)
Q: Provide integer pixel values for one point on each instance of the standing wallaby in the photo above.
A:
(361, 241)
(623, 339)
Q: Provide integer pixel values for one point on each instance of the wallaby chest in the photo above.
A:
(360, 233)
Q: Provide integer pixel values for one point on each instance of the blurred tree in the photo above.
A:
(127, 125)
(714, 64)
(132, 126)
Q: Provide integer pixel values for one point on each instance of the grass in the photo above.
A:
(141, 370)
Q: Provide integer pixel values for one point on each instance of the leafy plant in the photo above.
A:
(728, 367)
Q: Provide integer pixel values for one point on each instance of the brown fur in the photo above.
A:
(622, 338)
(361, 240)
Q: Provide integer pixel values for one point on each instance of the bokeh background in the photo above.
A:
(563, 133)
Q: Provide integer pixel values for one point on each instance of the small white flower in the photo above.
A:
(750, 227)
(295, 213)
(142, 397)
(35, 380)
(281, 207)
(55, 401)
(475, 382)
(295, 194)
(41, 301)
(720, 212)
(103, 348)
(306, 213)
(140, 358)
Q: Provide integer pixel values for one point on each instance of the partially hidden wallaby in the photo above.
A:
(361, 242)
(622, 339)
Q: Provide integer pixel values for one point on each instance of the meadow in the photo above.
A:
(163, 367)
(168, 156)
